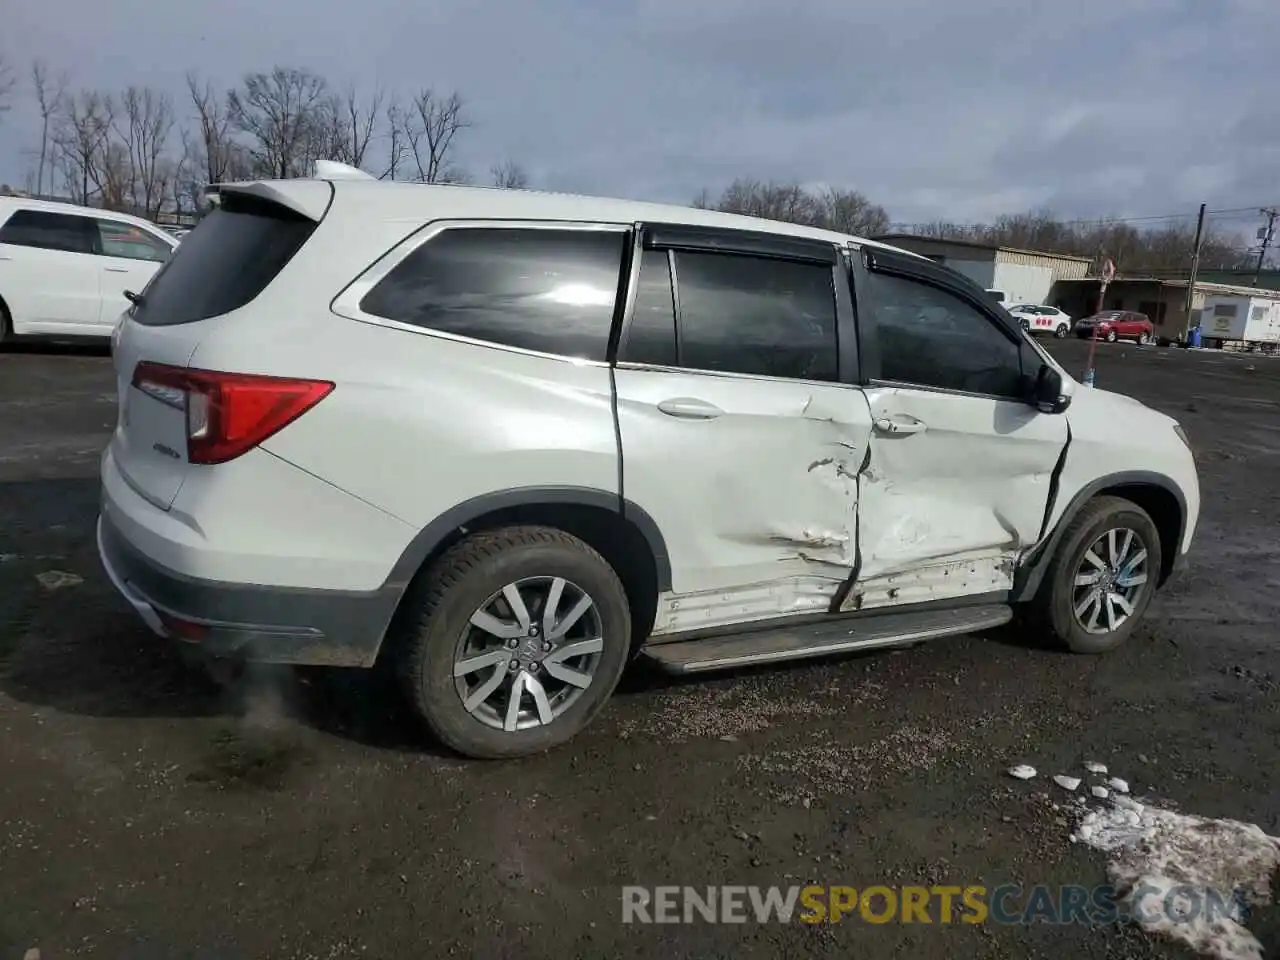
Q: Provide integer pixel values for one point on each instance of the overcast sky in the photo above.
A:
(957, 109)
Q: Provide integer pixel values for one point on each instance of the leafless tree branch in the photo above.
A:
(509, 175)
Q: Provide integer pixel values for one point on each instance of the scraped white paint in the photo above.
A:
(1160, 849)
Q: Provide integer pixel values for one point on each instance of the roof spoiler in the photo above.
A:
(333, 170)
(310, 198)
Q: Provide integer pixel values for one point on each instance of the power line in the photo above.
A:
(1227, 212)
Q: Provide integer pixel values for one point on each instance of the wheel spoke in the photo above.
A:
(1088, 579)
(513, 705)
(1124, 548)
(1132, 580)
(479, 662)
(1096, 560)
(567, 674)
(495, 627)
(1111, 548)
(535, 688)
(1089, 599)
(570, 618)
(1108, 602)
(578, 648)
(518, 609)
(552, 606)
(1123, 603)
(1097, 611)
(485, 690)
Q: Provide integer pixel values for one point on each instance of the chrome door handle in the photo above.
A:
(116, 269)
(689, 408)
(892, 427)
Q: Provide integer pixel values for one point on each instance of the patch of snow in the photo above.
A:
(1118, 785)
(1094, 767)
(1100, 792)
(1152, 851)
(57, 579)
(1022, 772)
(1065, 782)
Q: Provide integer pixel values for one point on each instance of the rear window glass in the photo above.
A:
(224, 262)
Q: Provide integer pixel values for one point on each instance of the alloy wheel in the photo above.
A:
(528, 653)
(1109, 580)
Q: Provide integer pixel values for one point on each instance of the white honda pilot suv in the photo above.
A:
(509, 440)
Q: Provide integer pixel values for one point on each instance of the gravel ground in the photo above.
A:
(147, 813)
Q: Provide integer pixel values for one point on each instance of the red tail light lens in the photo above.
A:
(228, 414)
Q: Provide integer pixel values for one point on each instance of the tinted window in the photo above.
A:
(930, 337)
(546, 290)
(224, 262)
(48, 231)
(125, 240)
(651, 335)
(756, 315)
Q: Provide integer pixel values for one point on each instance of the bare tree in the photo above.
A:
(80, 138)
(846, 211)
(430, 125)
(50, 93)
(216, 150)
(7, 82)
(509, 175)
(350, 123)
(143, 126)
(280, 113)
(396, 149)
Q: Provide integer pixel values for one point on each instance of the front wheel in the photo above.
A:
(1144, 338)
(1111, 336)
(513, 641)
(1102, 578)
(1060, 332)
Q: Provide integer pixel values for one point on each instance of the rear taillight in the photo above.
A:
(228, 414)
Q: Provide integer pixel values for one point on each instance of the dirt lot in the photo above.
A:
(145, 812)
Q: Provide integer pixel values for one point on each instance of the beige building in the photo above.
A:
(1022, 276)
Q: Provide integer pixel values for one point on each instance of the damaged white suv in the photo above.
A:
(512, 439)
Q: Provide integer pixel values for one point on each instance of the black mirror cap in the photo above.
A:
(1049, 397)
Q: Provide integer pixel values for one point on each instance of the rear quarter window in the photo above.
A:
(226, 261)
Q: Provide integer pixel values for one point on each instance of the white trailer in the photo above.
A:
(1243, 318)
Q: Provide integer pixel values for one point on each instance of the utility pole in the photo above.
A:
(1270, 213)
(1195, 266)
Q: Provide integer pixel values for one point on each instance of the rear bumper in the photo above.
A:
(263, 623)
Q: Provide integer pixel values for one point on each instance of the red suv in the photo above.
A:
(1112, 325)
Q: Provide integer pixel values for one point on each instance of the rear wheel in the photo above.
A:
(1102, 578)
(513, 641)
(1111, 336)
(6, 325)
(1144, 338)
(1060, 331)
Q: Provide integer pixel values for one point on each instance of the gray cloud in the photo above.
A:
(935, 108)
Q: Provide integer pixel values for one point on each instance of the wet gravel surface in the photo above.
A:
(147, 812)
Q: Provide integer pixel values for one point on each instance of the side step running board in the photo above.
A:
(821, 639)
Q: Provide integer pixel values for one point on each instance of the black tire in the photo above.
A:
(1060, 331)
(1053, 606)
(1111, 336)
(1144, 338)
(438, 609)
(6, 325)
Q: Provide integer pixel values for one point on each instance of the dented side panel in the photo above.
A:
(758, 502)
(948, 509)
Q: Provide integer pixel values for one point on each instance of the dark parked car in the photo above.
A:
(1112, 325)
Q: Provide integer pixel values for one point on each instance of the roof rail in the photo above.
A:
(334, 170)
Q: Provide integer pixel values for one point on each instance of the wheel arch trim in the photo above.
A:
(1030, 574)
(438, 530)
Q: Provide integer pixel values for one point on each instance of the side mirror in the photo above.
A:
(1047, 394)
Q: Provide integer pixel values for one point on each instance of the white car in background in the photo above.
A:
(64, 269)
(1039, 318)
